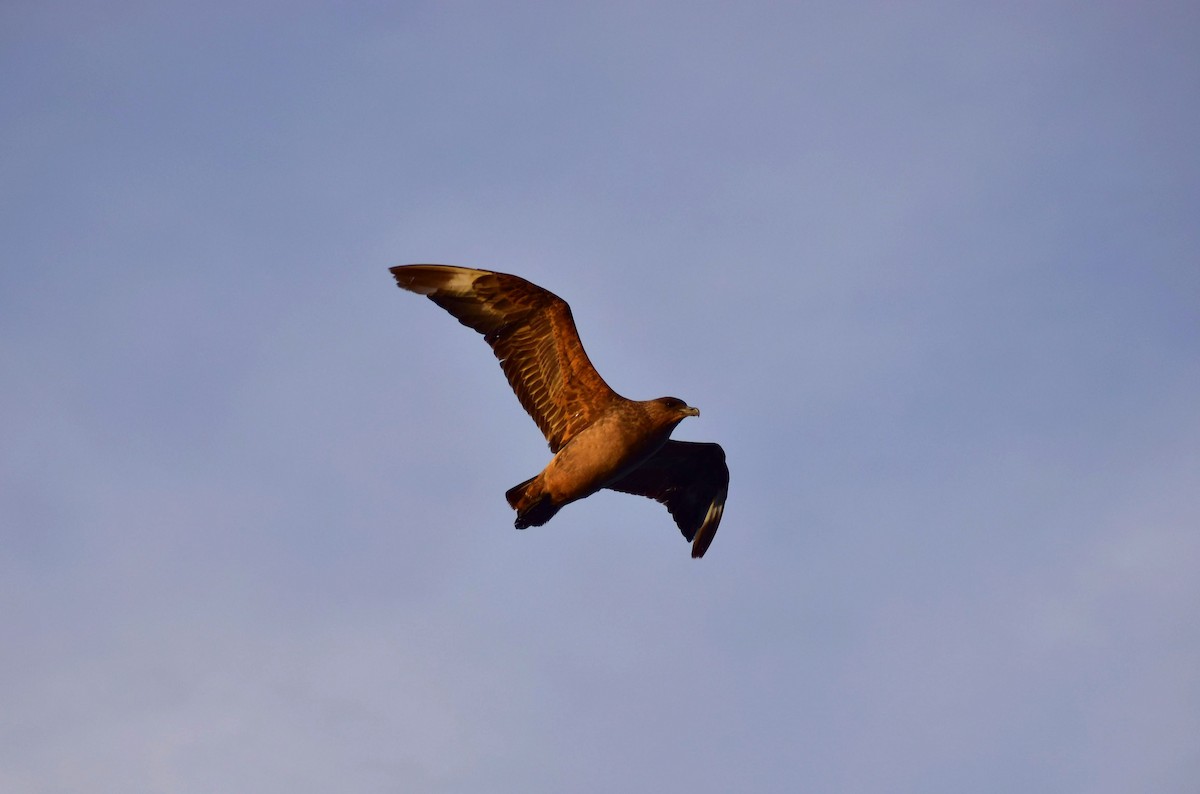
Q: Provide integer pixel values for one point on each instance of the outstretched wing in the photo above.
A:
(533, 334)
(692, 480)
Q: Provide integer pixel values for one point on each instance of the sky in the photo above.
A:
(931, 272)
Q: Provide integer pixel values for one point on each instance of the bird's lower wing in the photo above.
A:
(692, 480)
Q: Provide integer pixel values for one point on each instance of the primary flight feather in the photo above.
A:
(599, 438)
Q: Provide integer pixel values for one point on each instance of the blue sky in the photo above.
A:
(930, 271)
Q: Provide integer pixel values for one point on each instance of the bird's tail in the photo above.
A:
(533, 507)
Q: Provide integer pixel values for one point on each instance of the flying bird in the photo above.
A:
(599, 438)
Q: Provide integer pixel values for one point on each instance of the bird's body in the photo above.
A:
(599, 438)
(617, 442)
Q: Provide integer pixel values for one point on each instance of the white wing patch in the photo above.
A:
(458, 281)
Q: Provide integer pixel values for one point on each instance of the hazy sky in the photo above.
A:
(931, 271)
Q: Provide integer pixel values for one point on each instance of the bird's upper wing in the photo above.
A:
(692, 480)
(533, 334)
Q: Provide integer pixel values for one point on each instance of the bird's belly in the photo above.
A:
(593, 459)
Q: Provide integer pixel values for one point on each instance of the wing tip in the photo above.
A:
(429, 280)
(708, 527)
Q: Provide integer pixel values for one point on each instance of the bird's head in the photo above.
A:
(677, 407)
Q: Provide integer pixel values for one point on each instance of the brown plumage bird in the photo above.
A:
(599, 438)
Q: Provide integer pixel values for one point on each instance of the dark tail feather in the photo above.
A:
(533, 509)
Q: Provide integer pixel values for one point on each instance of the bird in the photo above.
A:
(598, 438)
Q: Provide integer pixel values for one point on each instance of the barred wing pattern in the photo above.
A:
(533, 334)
